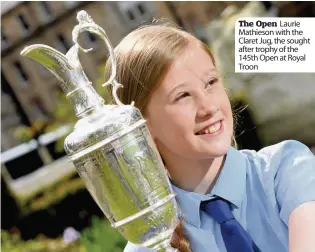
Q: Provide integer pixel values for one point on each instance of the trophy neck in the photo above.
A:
(85, 100)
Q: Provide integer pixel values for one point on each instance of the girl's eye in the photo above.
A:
(211, 82)
(181, 96)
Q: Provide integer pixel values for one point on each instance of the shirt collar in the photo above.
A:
(230, 185)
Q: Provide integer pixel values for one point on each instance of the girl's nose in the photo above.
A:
(206, 107)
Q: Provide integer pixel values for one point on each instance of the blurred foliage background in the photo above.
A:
(51, 23)
(90, 240)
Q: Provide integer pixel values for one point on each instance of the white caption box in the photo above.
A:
(275, 45)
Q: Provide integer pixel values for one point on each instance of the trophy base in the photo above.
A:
(164, 246)
(161, 243)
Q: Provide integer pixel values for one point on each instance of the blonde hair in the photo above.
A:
(143, 58)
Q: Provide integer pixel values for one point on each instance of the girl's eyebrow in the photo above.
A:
(174, 89)
(204, 75)
(209, 72)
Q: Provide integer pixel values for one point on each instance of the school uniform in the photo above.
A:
(263, 188)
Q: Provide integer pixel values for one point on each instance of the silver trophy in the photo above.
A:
(112, 149)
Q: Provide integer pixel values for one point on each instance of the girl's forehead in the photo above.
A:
(193, 62)
(193, 57)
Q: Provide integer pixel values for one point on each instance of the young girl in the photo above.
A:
(172, 78)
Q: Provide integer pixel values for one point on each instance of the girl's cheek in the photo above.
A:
(188, 110)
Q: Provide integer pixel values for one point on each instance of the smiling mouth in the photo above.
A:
(211, 129)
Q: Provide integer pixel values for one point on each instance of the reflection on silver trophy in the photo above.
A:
(112, 149)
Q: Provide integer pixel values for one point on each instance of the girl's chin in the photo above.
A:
(218, 149)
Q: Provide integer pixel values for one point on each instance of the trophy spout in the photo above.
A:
(66, 68)
(69, 72)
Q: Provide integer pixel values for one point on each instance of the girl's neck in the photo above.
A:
(196, 176)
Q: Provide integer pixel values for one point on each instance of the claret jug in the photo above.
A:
(112, 149)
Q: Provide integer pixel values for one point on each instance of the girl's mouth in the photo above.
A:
(212, 130)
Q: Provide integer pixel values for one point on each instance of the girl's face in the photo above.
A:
(190, 115)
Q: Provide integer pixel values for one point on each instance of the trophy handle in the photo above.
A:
(86, 23)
